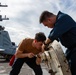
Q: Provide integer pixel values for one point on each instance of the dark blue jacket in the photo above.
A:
(64, 30)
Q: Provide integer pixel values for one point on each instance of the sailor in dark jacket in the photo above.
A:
(64, 30)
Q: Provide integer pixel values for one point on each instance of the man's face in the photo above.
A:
(48, 22)
(38, 45)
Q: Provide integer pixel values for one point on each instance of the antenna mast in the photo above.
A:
(5, 18)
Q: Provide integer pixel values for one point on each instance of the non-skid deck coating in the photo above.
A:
(5, 69)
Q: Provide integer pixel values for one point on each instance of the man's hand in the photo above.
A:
(46, 44)
(45, 47)
(38, 60)
(30, 55)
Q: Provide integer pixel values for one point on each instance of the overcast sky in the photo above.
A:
(24, 16)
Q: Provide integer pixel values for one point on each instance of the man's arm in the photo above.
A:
(20, 54)
(46, 43)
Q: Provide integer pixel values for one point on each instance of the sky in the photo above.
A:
(24, 16)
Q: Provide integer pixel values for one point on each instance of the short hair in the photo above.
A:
(45, 15)
(40, 36)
